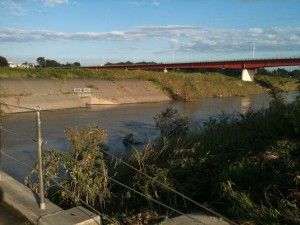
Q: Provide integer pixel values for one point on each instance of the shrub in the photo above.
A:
(82, 171)
(171, 123)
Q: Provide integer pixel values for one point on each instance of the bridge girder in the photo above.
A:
(230, 64)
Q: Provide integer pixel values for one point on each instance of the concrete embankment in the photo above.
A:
(26, 202)
(52, 94)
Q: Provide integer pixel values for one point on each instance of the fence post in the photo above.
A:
(40, 160)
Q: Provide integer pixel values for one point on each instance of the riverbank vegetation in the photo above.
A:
(245, 166)
(178, 85)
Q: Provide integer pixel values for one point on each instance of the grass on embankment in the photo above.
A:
(178, 85)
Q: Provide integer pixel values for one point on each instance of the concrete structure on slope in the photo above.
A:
(52, 94)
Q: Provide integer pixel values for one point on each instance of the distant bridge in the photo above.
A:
(248, 66)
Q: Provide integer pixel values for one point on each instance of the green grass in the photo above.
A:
(178, 85)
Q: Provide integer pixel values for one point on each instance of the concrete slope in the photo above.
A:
(52, 94)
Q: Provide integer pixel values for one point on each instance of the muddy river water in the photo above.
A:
(19, 130)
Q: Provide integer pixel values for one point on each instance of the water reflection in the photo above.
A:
(245, 104)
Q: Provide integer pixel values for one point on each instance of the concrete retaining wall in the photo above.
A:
(51, 94)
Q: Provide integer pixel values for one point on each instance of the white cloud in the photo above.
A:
(12, 8)
(183, 38)
(16, 8)
(135, 3)
(174, 41)
(54, 2)
(145, 2)
(155, 3)
(255, 30)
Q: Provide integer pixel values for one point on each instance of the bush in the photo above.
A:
(81, 173)
(171, 123)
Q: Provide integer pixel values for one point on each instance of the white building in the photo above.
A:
(20, 65)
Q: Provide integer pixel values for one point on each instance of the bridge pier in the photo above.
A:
(248, 75)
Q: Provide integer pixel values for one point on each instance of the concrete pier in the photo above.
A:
(248, 74)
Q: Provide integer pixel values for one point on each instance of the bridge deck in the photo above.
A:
(233, 64)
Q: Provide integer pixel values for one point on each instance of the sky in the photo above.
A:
(94, 32)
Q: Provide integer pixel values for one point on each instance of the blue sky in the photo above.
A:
(98, 31)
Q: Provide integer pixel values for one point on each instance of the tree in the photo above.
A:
(52, 63)
(263, 71)
(280, 72)
(3, 61)
(41, 61)
(47, 62)
(295, 73)
(76, 63)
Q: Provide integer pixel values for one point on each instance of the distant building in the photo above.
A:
(20, 65)
(14, 64)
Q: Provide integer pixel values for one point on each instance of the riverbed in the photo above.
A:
(19, 130)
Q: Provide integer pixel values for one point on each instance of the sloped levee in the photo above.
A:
(52, 94)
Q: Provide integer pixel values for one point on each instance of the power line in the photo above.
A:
(141, 194)
(20, 135)
(169, 188)
(16, 106)
(13, 158)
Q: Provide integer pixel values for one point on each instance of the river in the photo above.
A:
(19, 130)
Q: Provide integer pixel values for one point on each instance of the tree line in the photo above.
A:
(43, 62)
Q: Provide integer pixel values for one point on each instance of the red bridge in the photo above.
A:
(247, 65)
